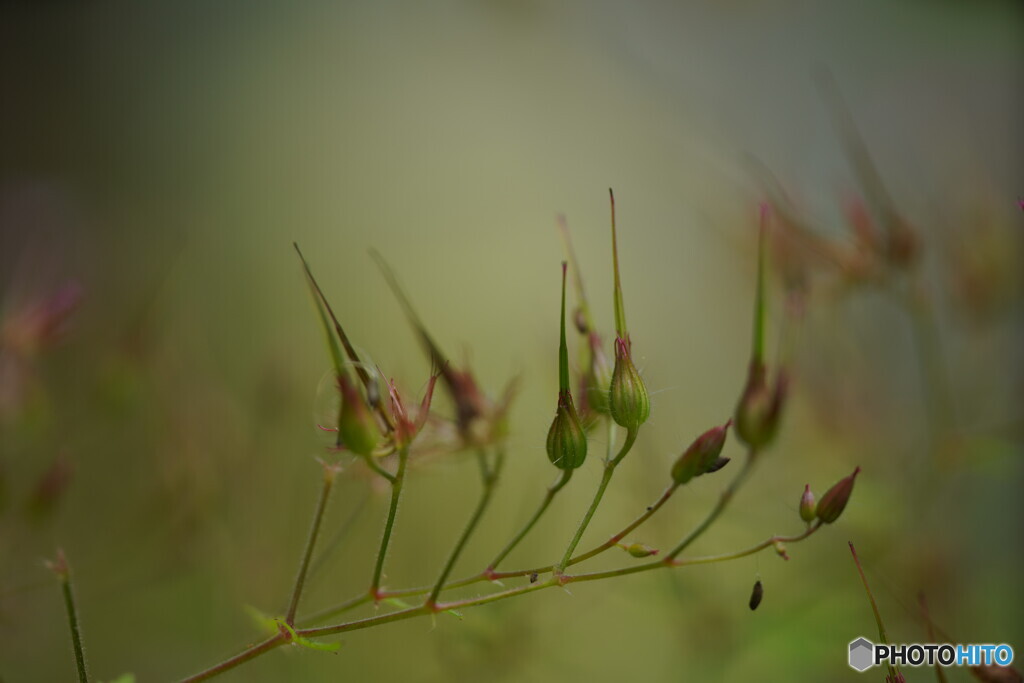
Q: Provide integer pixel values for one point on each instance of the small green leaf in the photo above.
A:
(124, 678)
(306, 642)
(263, 621)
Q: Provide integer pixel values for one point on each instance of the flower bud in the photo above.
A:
(356, 427)
(760, 407)
(701, 456)
(567, 442)
(834, 501)
(640, 550)
(628, 401)
(807, 506)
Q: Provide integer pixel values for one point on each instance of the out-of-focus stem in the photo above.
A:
(330, 473)
(396, 494)
(723, 502)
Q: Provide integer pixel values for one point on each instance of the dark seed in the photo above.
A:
(756, 595)
(533, 577)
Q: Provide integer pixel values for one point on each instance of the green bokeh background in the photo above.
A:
(166, 154)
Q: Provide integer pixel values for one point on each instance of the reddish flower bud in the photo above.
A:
(628, 402)
(835, 499)
(702, 455)
(356, 428)
(567, 442)
(807, 505)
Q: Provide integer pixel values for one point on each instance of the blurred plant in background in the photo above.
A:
(158, 373)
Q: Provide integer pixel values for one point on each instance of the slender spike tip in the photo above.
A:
(757, 351)
(620, 312)
(563, 350)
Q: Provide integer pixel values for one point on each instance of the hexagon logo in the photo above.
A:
(862, 654)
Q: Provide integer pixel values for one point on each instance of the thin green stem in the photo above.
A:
(63, 572)
(651, 509)
(427, 608)
(346, 606)
(709, 559)
(723, 502)
(553, 581)
(396, 494)
(606, 477)
(329, 472)
(371, 462)
(241, 658)
(549, 495)
(490, 478)
(874, 606)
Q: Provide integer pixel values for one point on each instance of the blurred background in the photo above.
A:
(160, 359)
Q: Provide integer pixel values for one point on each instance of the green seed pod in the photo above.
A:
(628, 402)
(807, 505)
(567, 442)
(701, 456)
(835, 499)
(356, 427)
(640, 550)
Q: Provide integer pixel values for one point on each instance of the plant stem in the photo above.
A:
(723, 502)
(347, 605)
(606, 477)
(633, 525)
(374, 467)
(490, 478)
(241, 658)
(63, 572)
(563, 479)
(396, 493)
(426, 608)
(874, 606)
(709, 559)
(329, 472)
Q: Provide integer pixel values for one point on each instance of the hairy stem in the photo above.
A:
(63, 572)
(490, 479)
(396, 494)
(330, 472)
